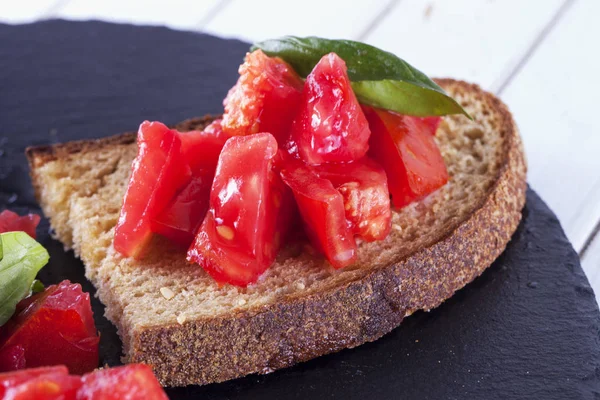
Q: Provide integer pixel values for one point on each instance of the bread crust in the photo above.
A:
(275, 336)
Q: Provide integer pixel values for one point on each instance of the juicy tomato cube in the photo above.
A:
(40, 384)
(201, 149)
(432, 123)
(11, 222)
(62, 316)
(406, 149)
(330, 126)
(158, 173)
(264, 99)
(182, 217)
(322, 209)
(239, 237)
(363, 184)
(12, 358)
(132, 382)
(180, 220)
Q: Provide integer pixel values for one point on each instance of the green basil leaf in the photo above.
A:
(23, 258)
(36, 287)
(379, 78)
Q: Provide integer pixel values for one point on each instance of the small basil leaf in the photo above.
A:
(37, 286)
(23, 258)
(379, 78)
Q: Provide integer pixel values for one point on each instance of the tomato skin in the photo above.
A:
(181, 218)
(10, 222)
(46, 387)
(158, 173)
(12, 358)
(132, 382)
(322, 209)
(10, 380)
(201, 149)
(238, 239)
(433, 123)
(406, 149)
(330, 126)
(264, 99)
(363, 185)
(62, 315)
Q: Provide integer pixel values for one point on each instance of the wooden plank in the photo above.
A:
(179, 14)
(554, 100)
(25, 11)
(479, 41)
(262, 19)
(591, 265)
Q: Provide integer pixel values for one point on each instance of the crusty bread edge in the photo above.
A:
(280, 335)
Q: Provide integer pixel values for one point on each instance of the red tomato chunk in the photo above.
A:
(132, 382)
(62, 316)
(264, 99)
(363, 185)
(180, 220)
(406, 149)
(11, 222)
(158, 173)
(240, 235)
(330, 126)
(322, 210)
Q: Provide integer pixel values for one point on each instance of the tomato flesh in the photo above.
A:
(239, 237)
(264, 99)
(158, 173)
(406, 149)
(180, 220)
(62, 316)
(132, 382)
(322, 209)
(201, 149)
(330, 126)
(433, 123)
(49, 383)
(11, 222)
(12, 358)
(363, 185)
(10, 380)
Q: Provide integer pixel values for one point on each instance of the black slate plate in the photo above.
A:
(527, 328)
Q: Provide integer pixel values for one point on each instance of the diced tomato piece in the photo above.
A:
(11, 222)
(406, 149)
(12, 358)
(264, 99)
(180, 220)
(330, 126)
(48, 383)
(12, 379)
(62, 316)
(182, 217)
(131, 382)
(240, 236)
(432, 123)
(322, 209)
(363, 184)
(201, 149)
(158, 173)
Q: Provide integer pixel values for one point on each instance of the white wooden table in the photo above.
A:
(540, 56)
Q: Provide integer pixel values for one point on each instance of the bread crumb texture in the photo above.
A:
(171, 314)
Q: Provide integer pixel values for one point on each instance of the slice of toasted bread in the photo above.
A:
(173, 316)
